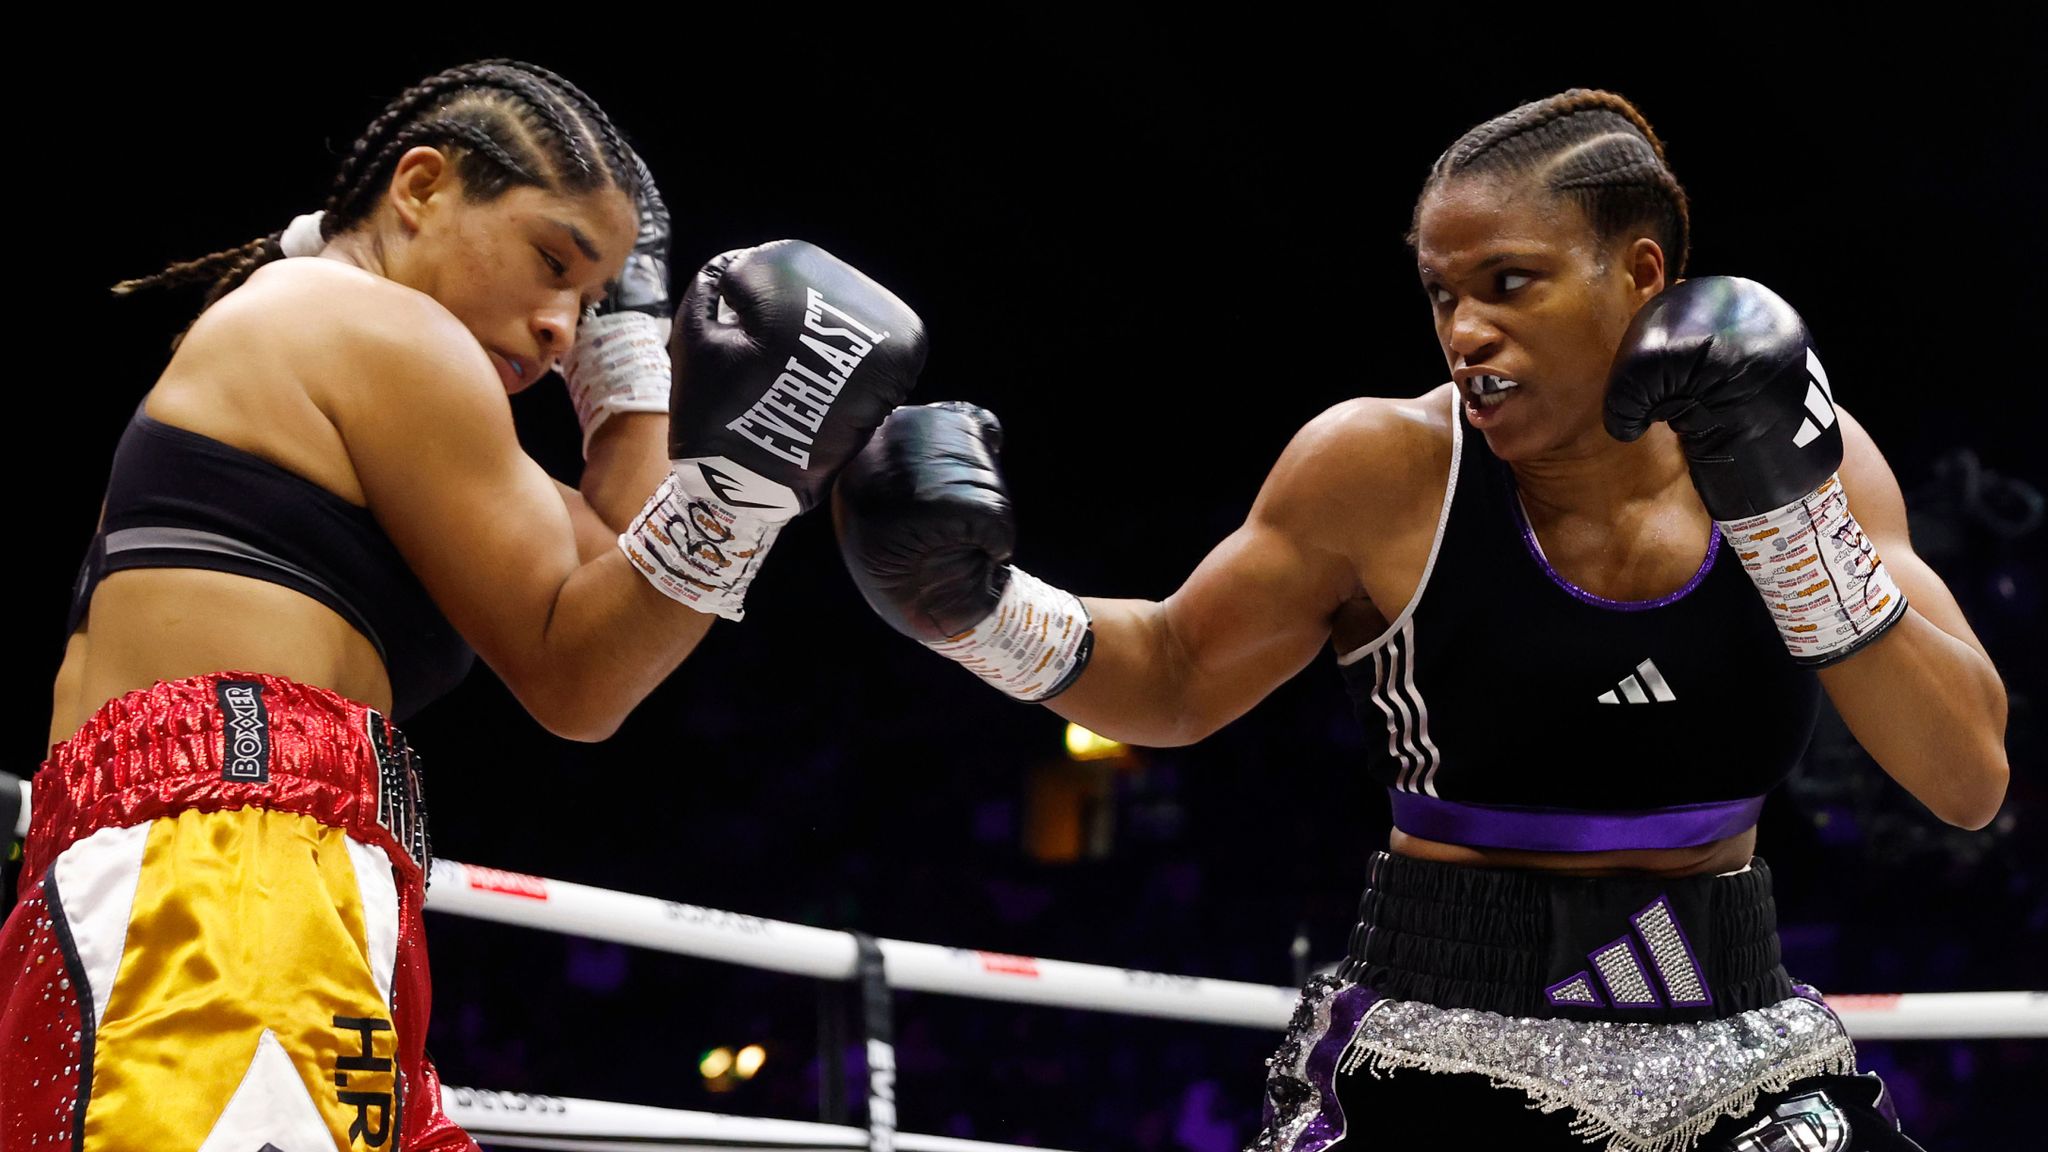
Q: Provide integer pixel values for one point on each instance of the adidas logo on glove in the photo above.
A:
(1820, 403)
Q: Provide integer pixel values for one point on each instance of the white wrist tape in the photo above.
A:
(704, 532)
(1823, 580)
(1033, 644)
(619, 363)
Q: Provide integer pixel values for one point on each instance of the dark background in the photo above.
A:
(1155, 252)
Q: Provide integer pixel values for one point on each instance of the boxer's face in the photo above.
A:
(519, 269)
(1522, 290)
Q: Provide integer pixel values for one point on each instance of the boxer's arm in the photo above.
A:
(618, 374)
(1923, 699)
(593, 535)
(626, 459)
(432, 440)
(1259, 607)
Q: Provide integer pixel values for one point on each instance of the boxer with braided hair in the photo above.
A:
(512, 124)
(1591, 148)
(316, 520)
(1541, 580)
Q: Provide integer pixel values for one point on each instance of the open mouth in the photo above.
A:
(1488, 392)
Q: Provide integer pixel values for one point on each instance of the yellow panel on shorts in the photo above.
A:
(243, 921)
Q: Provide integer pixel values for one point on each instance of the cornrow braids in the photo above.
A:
(1588, 146)
(506, 124)
(408, 106)
(495, 167)
(559, 120)
(620, 158)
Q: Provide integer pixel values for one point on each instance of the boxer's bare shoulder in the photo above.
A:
(1366, 479)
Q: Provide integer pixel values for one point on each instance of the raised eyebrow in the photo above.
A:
(581, 241)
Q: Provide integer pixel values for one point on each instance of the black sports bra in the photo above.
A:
(177, 499)
(1511, 709)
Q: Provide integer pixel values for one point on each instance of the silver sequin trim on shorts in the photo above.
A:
(1637, 1087)
(1289, 1082)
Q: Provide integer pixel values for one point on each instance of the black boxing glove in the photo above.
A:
(786, 358)
(926, 530)
(620, 361)
(1730, 365)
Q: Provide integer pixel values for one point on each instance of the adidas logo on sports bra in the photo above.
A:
(1632, 688)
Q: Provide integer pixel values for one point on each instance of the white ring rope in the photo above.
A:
(668, 926)
(523, 1120)
(557, 906)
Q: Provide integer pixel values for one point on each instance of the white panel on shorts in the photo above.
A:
(96, 879)
(270, 1108)
(380, 912)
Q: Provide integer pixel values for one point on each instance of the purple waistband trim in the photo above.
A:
(1569, 830)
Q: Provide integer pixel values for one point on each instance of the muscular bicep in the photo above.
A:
(485, 529)
(1257, 610)
(1254, 613)
(1352, 483)
(1879, 506)
(594, 537)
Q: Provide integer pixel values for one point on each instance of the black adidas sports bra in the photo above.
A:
(177, 499)
(1507, 708)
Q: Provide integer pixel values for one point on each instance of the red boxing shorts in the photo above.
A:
(218, 945)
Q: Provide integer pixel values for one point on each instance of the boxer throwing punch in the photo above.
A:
(1586, 596)
(316, 519)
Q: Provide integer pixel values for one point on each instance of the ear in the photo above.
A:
(422, 174)
(1644, 261)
